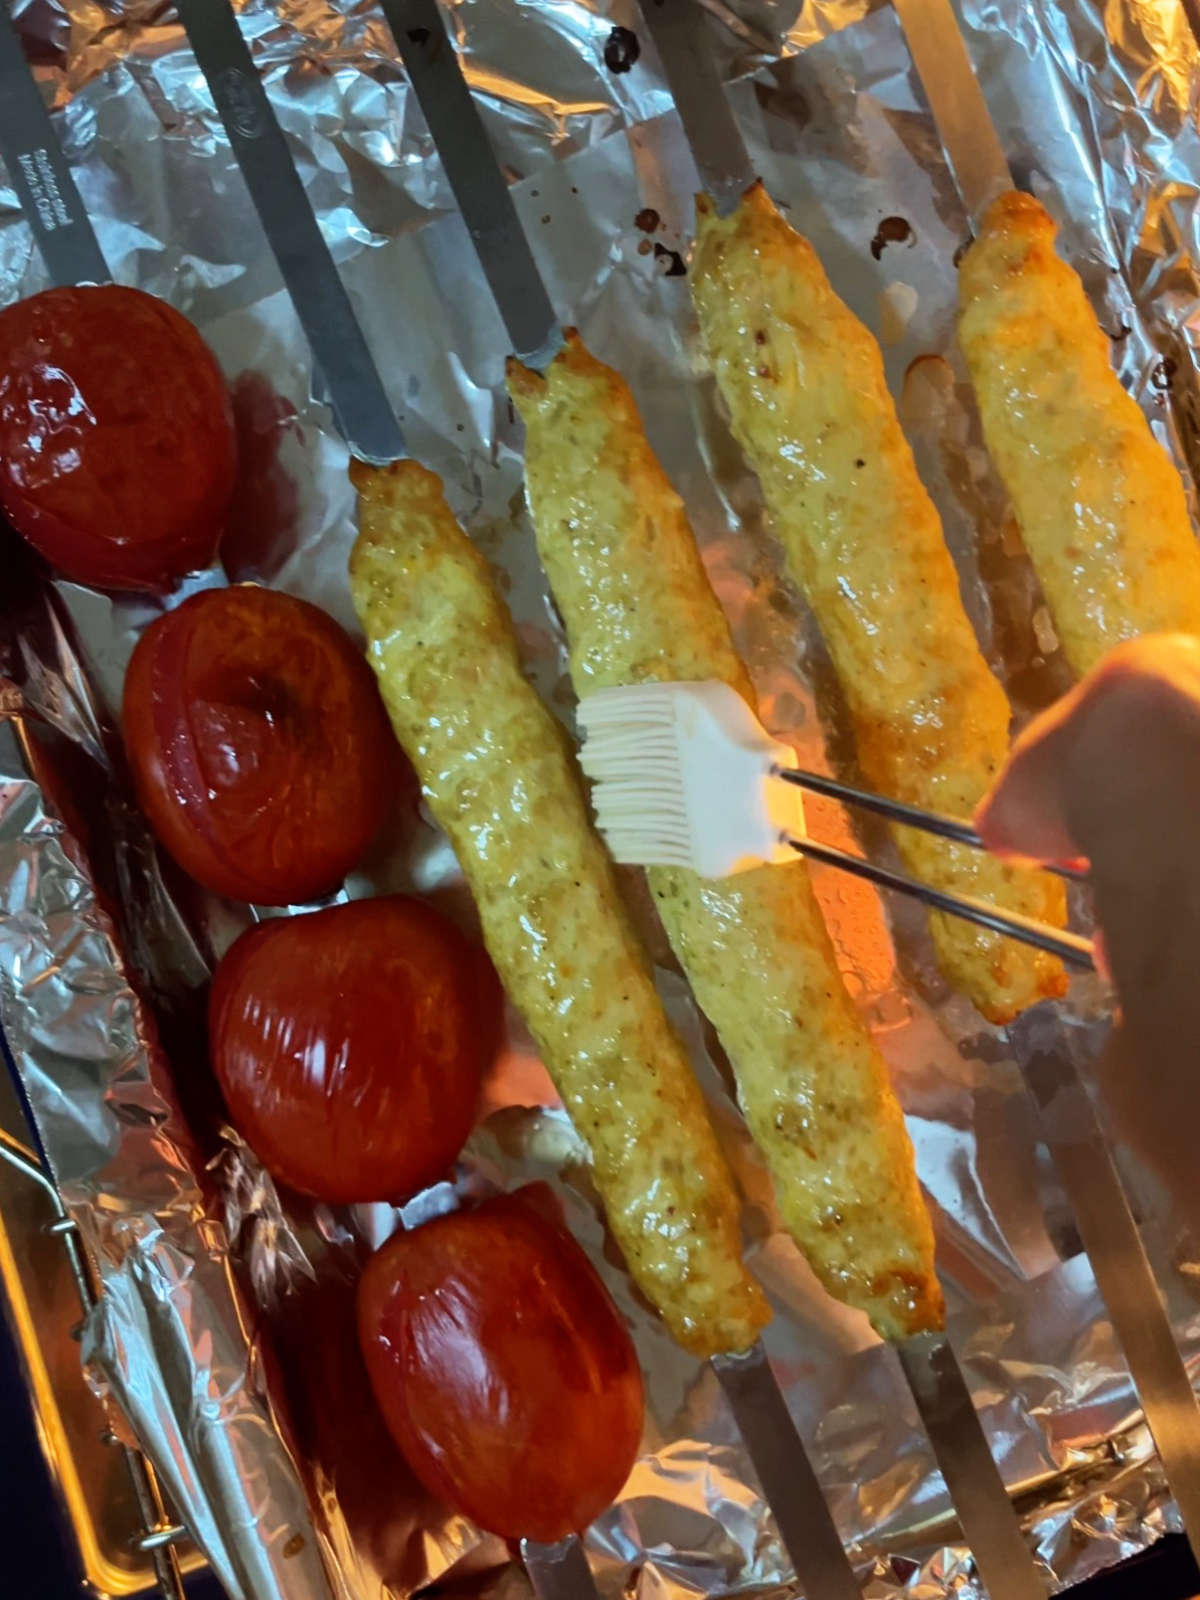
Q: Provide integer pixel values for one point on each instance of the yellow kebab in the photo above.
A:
(628, 580)
(1100, 506)
(808, 401)
(500, 779)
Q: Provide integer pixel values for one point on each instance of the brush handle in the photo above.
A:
(1069, 947)
(898, 811)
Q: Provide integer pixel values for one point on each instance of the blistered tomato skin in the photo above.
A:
(502, 1368)
(117, 447)
(258, 745)
(350, 1045)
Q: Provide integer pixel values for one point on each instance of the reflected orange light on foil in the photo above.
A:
(852, 909)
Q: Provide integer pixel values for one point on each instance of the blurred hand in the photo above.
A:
(1112, 774)
(1120, 751)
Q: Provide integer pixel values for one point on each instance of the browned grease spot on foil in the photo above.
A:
(647, 219)
(892, 230)
(928, 389)
(621, 49)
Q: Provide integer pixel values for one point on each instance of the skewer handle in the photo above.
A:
(475, 176)
(1069, 947)
(360, 403)
(789, 1484)
(1114, 1246)
(882, 805)
(39, 171)
(977, 1490)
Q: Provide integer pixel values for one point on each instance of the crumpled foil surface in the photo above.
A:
(169, 1325)
(1097, 108)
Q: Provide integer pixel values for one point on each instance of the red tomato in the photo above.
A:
(350, 1046)
(259, 747)
(117, 448)
(502, 1368)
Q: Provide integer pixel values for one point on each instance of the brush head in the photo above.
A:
(683, 776)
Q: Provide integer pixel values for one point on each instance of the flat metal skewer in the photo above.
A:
(789, 1484)
(558, 1571)
(718, 149)
(487, 208)
(360, 404)
(972, 1476)
(45, 187)
(960, 114)
(1124, 1276)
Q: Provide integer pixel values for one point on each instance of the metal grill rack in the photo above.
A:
(159, 1536)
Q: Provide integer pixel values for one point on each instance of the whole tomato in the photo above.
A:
(259, 748)
(117, 446)
(502, 1367)
(350, 1045)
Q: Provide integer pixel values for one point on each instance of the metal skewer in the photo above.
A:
(1114, 1247)
(558, 1571)
(976, 1488)
(790, 1486)
(359, 401)
(964, 125)
(718, 149)
(49, 199)
(458, 134)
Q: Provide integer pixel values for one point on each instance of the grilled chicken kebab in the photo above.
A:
(500, 779)
(628, 579)
(804, 383)
(1100, 505)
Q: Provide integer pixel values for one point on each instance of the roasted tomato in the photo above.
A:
(117, 447)
(351, 1044)
(259, 747)
(502, 1367)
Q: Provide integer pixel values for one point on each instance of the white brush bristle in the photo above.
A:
(682, 777)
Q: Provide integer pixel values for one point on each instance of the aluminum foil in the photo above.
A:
(1094, 106)
(169, 1326)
